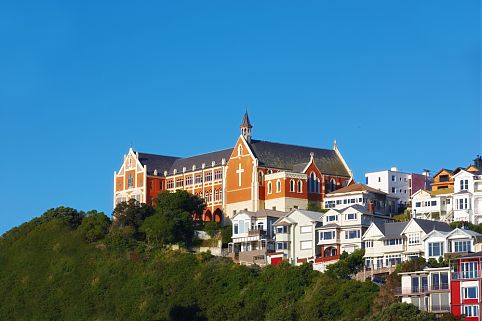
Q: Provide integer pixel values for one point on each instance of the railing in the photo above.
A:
(439, 287)
(421, 289)
(441, 308)
(257, 233)
(466, 275)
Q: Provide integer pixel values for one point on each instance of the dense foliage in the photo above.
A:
(71, 265)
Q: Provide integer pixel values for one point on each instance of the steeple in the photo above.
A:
(246, 127)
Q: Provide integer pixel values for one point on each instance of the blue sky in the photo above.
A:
(394, 82)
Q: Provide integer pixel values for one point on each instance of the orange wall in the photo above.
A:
(234, 192)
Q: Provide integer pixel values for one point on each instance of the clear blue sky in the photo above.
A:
(395, 82)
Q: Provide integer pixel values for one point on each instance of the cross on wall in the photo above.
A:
(240, 172)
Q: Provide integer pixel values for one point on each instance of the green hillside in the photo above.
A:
(70, 265)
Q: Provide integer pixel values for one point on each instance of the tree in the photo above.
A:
(168, 227)
(212, 228)
(131, 213)
(94, 227)
(179, 200)
(67, 214)
(347, 266)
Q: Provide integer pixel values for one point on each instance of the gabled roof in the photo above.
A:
(198, 160)
(442, 191)
(314, 216)
(356, 207)
(394, 229)
(262, 213)
(467, 232)
(159, 162)
(450, 172)
(357, 188)
(428, 225)
(440, 233)
(289, 157)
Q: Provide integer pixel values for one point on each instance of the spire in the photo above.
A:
(246, 127)
(246, 122)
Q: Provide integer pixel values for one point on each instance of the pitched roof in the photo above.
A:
(289, 157)
(159, 162)
(314, 216)
(198, 160)
(428, 225)
(263, 213)
(357, 188)
(442, 191)
(394, 229)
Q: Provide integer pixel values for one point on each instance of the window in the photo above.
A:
(236, 228)
(461, 246)
(130, 181)
(413, 238)
(350, 216)
(300, 187)
(470, 293)
(189, 180)
(464, 184)
(462, 204)
(469, 270)
(392, 242)
(218, 175)
(260, 176)
(240, 150)
(199, 179)
(366, 180)
(216, 195)
(278, 186)
(435, 249)
(179, 182)
(352, 234)
(393, 178)
(379, 179)
(281, 229)
(329, 204)
(160, 185)
(471, 310)
(292, 185)
(394, 190)
(209, 176)
(305, 245)
(270, 187)
(329, 235)
(433, 203)
(332, 218)
(282, 246)
(305, 229)
(418, 204)
(170, 184)
(368, 243)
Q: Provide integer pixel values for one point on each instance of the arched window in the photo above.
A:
(278, 186)
(260, 177)
(270, 188)
(300, 186)
(216, 195)
(292, 185)
(312, 183)
(130, 181)
(240, 150)
(220, 194)
(270, 171)
(318, 185)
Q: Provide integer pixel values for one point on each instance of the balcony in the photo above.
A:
(467, 275)
(444, 287)
(257, 233)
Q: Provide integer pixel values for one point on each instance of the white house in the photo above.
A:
(428, 290)
(397, 184)
(467, 196)
(457, 242)
(434, 205)
(253, 236)
(371, 199)
(388, 244)
(295, 235)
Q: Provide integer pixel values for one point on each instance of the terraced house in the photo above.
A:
(251, 176)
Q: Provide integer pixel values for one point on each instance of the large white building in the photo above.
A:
(397, 184)
(434, 205)
(467, 197)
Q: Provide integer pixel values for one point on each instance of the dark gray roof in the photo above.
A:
(159, 162)
(393, 230)
(428, 226)
(198, 160)
(289, 157)
(357, 188)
